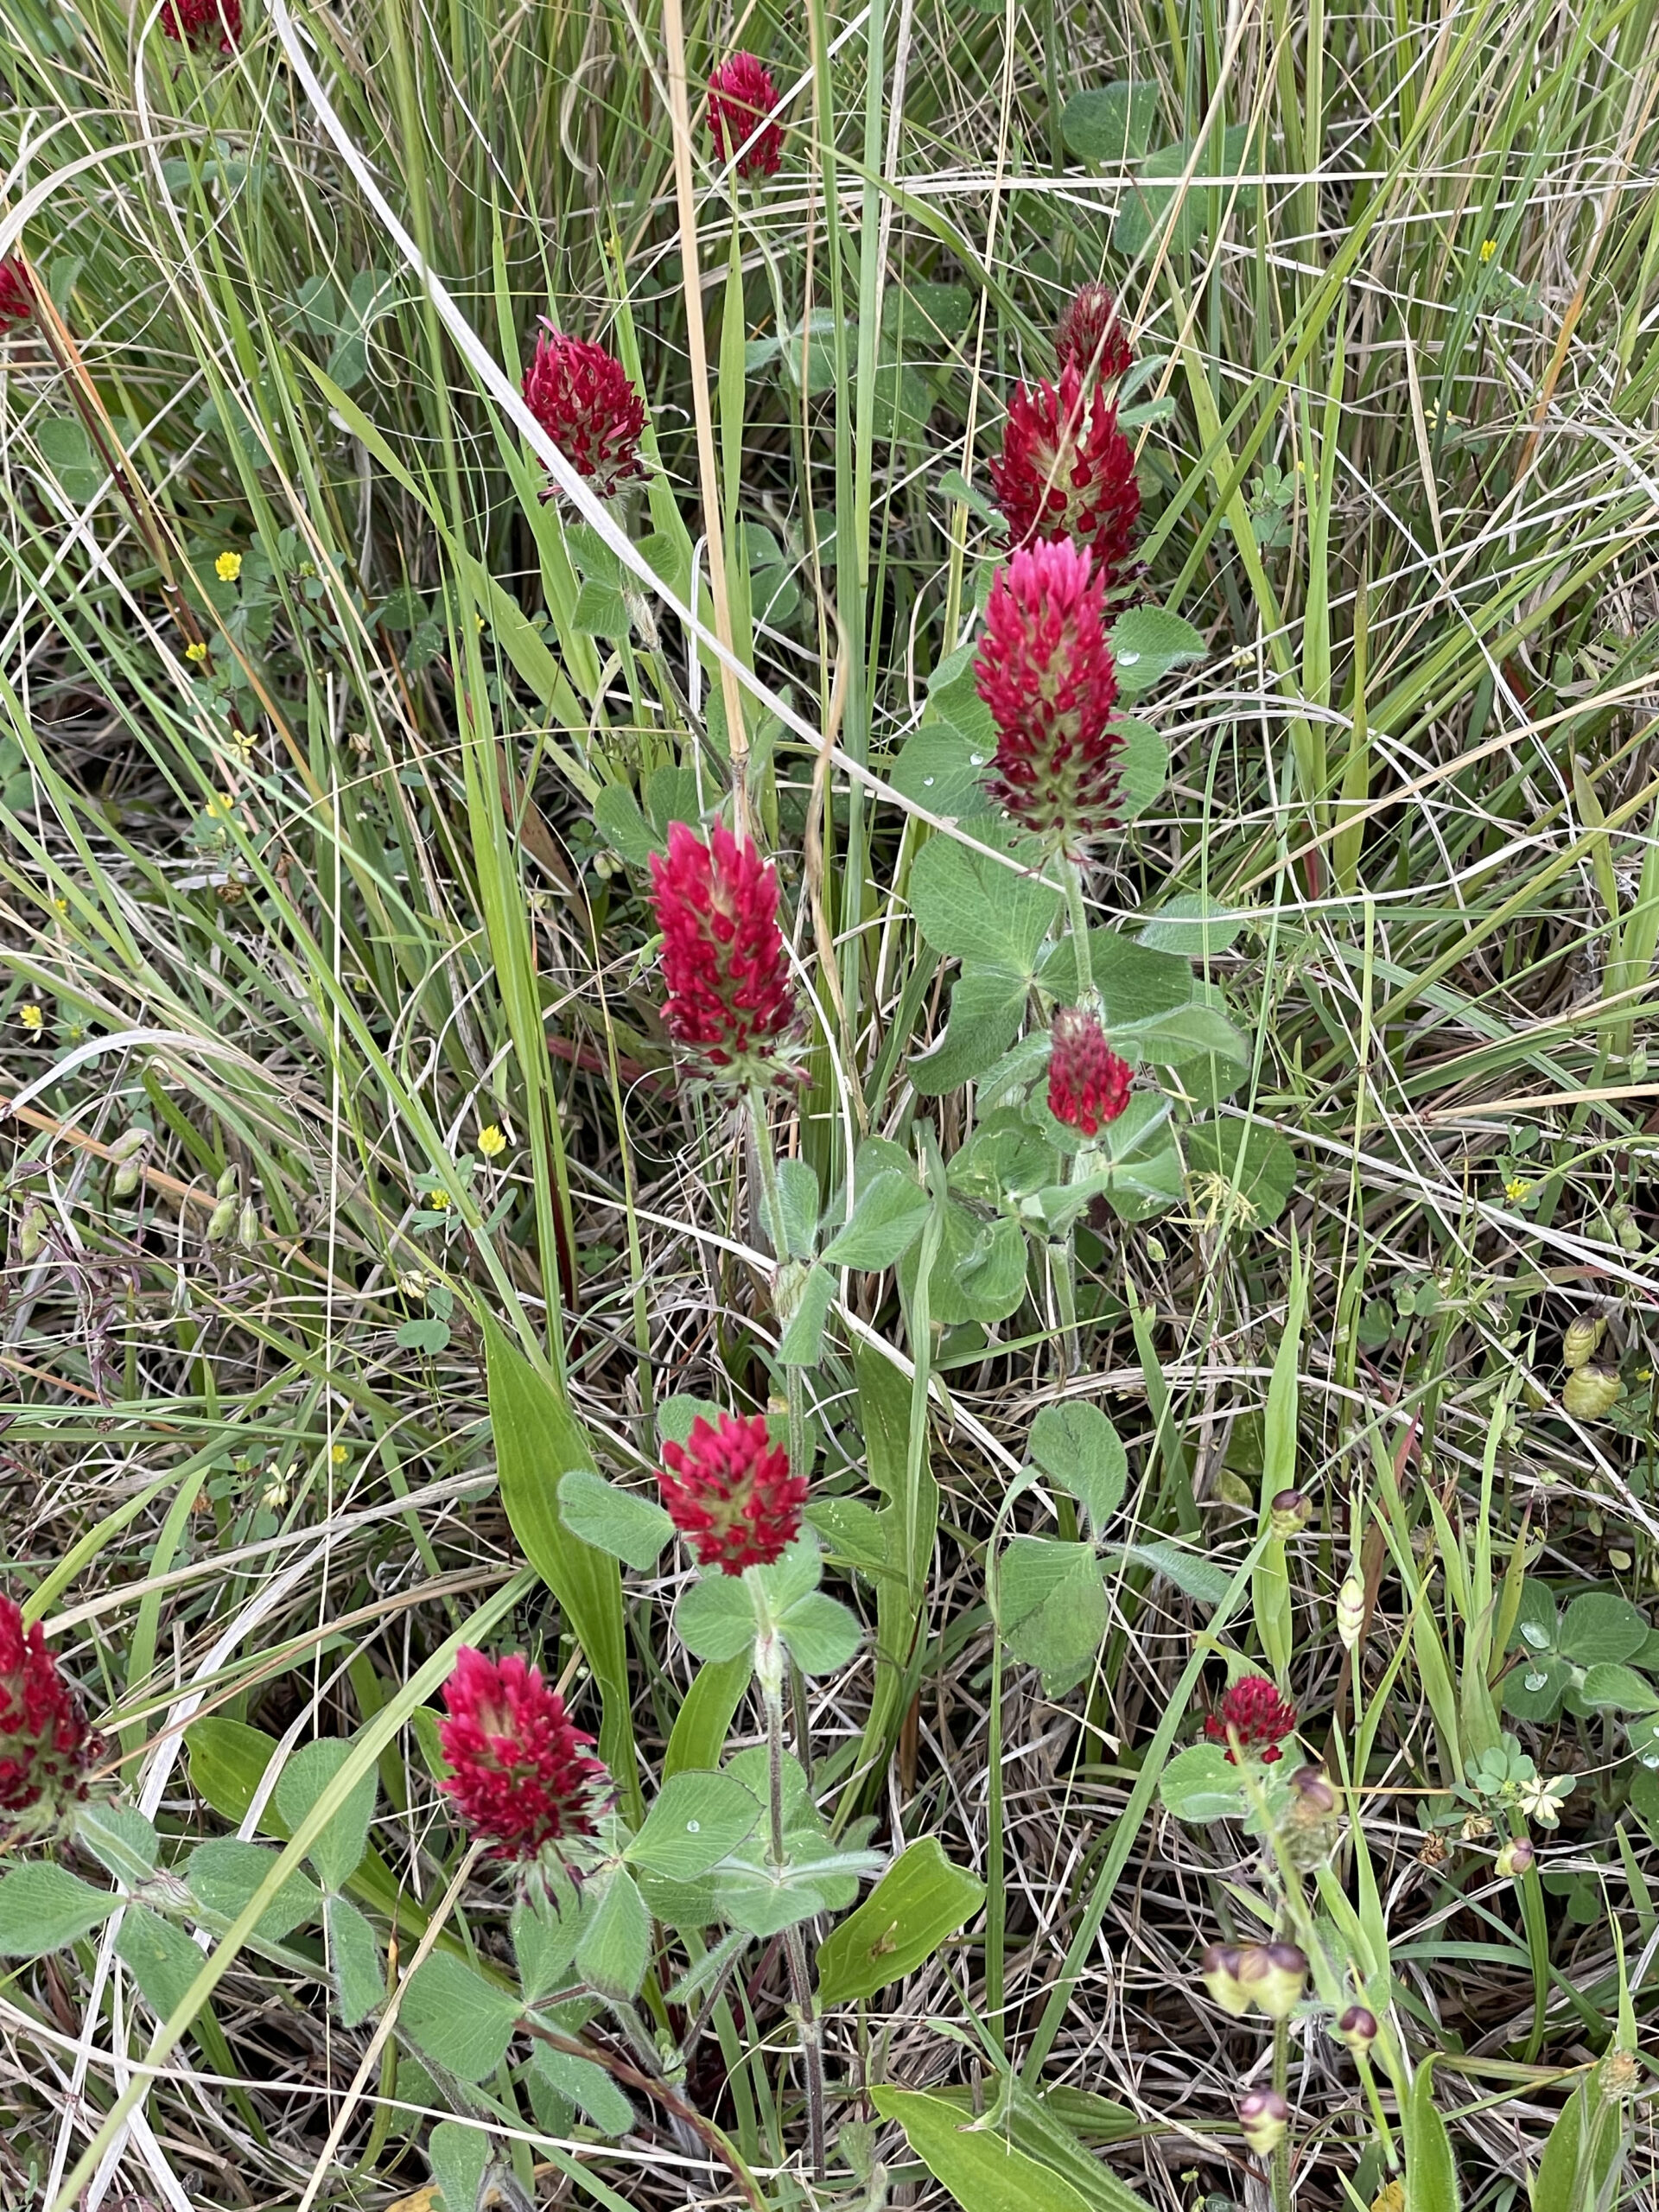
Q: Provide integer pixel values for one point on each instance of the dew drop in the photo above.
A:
(693, 1827)
(1536, 1682)
(1128, 660)
(927, 782)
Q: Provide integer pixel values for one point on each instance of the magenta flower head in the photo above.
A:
(1253, 1712)
(581, 397)
(723, 954)
(16, 294)
(46, 1747)
(204, 22)
(1088, 1084)
(741, 96)
(1090, 335)
(729, 1492)
(1067, 470)
(1045, 670)
(521, 1778)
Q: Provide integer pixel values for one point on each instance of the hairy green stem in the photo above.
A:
(769, 1671)
(1280, 2172)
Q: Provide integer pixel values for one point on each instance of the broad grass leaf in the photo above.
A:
(537, 1439)
(982, 2170)
(920, 1900)
(704, 1720)
(1431, 2171)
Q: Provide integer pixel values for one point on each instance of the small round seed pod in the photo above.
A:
(1273, 1974)
(1314, 1795)
(1218, 1970)
(1357, 2029)
(1591, 1392)
(1350, 1612)
(1264, 2116)
(1288, 1512)
(1515, 1858)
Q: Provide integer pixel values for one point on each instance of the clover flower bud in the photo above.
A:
(1067, 472)
(47, 1749)
(1090, 335)
(1088, 1084)
(1264, 2116)
(519, 1774)
(582, 398)
(741, 96)
(1045, 669)
(729, 1491)
(724, 959)
(1253, 1712)
(203, 22)
(1218, 1970)
(16, 294)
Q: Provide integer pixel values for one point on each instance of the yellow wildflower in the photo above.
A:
(228, 568)
(490, 1142)
(338, 1455)
(1516, 1187)
(32, 1017)
(1488, 248)
(197, 653)
(438, 1201)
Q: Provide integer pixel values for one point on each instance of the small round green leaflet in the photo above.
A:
(338, 1852)
(44, 1907)
(615, 1944)
(457, 2018)
(631, 1528)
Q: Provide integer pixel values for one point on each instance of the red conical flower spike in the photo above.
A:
(521, 1777)
(1088, 1084)
(581, 397)
(723, 954)
(204, 22)
(741, 95)
(16, 294)
(46, 1747)
(1045, 670)
(1254, 1711)
(730, 1492)
(1090, 335)
(1067, 471)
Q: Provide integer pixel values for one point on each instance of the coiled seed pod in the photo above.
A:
(1581, 1338)
(1591, 1392)
(1350, 1612)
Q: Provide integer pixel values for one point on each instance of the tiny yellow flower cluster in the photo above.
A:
(228, 568)
(32, 1016)
(490, 1142)
(1515, 1188)
(197, 653)
(1488, 248)
(338, 1455)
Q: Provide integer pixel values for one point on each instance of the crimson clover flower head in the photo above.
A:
(741, 95)
(204, 22)
(16, 294)
(1045, 669)
(581, 397)
(521, 1778)
(1253, 1712)
(723, 954)
(1066, 470)
(729, 1492)
(46, 1747)
(1090, 335)
(1088, 1084)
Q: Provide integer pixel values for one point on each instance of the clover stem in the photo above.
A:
(1078, 914)
(769, 1671)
